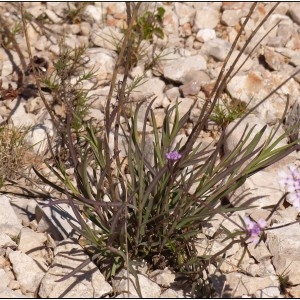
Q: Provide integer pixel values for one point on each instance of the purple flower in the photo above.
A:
(254, 229)
(291, 182)
(173, 155)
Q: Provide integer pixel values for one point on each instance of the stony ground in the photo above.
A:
(198, 36)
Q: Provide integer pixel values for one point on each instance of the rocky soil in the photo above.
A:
(34, 240)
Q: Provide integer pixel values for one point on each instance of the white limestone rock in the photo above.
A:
(294, 12)
(28, 272)
(173, 94)
(107, 38)
(37, 137)
(258, 189)
(184, 105)
(152, 87)
(185, 13)
(14, 284)
(113, 8)
(206, 34)
(163, 277)
(262, 189)
(231, 17)
(4, 280)
(170, 22)
(101, 62)
(9, 222)
(6, 241)
(9, 293)
(178, 69)
(206, 17)
(275, 60)
(93, 12)
(54, 219)
(38, 10)
(20, 117)
(6, 66)
(260, 252)
(24, 208)
(285, 215)
(216, 48)
(149, 289)
(242, 285)
(294, 291)
(33, 244)
(87, 283)
(60, 8)
(256, 86)
(127, 295)
(243, 67)
(96, 115)
(271, 292)
(191, 88)
(284, 244)
(53, 16)
(234, 132)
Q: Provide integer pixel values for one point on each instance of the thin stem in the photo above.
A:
(217, 90)
(35, 74)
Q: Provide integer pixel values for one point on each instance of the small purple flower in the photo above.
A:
(254, 229)
(173, 155)
(291, 182)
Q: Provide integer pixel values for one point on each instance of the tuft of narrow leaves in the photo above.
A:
(146, 196)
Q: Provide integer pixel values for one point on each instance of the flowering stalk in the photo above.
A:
(291, 182)
(254, 229)
(173, 156)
